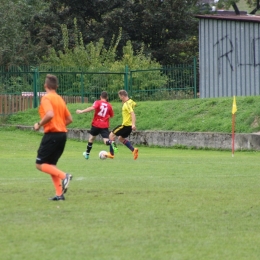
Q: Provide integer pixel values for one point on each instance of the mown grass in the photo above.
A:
(193, 115)
(243, 6)
(168, 204)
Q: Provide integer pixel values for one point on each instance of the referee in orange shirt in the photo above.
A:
(55, 116)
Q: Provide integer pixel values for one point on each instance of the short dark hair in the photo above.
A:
(122, 92)
(104, 95)
(51, 81)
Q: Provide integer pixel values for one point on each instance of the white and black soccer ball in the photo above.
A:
(102, 155)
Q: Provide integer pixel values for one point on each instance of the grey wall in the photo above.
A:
(229, 57)
(196, 140)
(170, 139)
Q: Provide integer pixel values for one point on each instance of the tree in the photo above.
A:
(95, 57)
(255, 3)
(227, 3)
(15, 45)
(157, 24)
(165, 23)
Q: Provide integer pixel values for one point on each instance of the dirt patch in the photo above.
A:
(255, 122)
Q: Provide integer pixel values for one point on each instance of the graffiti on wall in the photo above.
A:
(229, 52)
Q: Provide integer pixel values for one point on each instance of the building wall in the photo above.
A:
(229, 58)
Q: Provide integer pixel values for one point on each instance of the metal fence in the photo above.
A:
(22, 87)
(167, 83)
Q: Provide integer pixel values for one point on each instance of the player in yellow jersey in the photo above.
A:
(128, 125)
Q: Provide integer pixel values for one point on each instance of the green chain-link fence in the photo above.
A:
(22, 87)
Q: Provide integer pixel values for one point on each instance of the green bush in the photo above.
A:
(94, 58)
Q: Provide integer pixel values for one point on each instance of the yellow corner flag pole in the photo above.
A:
(234, 110)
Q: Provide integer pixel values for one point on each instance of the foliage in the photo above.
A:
(226, 3)
(163, 24)
(183, 51)
(16, 45)
(152, 23)
(255, 4)
(94, 57)
(16, 79)
(31, 28)
(251, 3)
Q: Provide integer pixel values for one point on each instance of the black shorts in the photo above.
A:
(122, 130)
(51, 148)
(104, 132)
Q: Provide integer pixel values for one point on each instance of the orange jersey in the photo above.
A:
(54, 102)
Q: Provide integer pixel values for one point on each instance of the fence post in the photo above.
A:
(35, 90)
(130, 87)
(195, 76)
(126, 78)
(82, 87)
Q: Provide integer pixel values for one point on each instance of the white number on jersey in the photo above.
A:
(103, 110)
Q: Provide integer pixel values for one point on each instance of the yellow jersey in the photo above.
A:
(127, 109)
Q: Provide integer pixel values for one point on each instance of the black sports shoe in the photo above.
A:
(65, 183)
(61, 197)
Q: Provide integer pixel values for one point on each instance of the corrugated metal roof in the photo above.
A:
(231, 17)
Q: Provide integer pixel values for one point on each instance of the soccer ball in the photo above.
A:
(102, 155)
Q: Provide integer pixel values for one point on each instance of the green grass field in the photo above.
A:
(168, 204)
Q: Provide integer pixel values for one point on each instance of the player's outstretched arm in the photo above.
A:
(88, 109)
